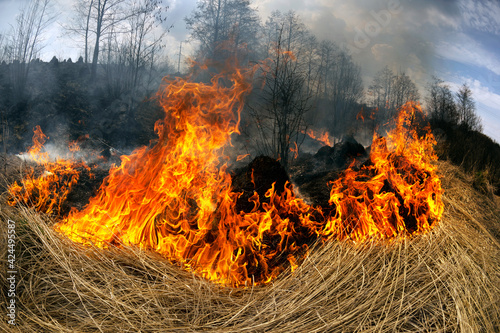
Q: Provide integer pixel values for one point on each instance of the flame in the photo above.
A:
(241, 157)
(49, 191)
(35, 151)
(361, 114)
(295, 150)
(397, 192)
(322, 137)
(74, 146)
(175, 197)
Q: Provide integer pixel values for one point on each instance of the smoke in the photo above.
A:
(397, 33)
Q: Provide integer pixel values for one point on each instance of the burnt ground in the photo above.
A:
(87, 186)
(311, 173)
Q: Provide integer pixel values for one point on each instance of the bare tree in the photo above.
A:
(327, 50)
(143, 42)
(466, 109)
(279, 113)
(311, 60)
(22, 46)
(347, 86)
(224, 28)
(105, 19)
(288, 29)
(432, 100)
(290, 32)
(381, 88)
(404, 90)
(332, 81)
(132, 54)
(3, 48)
(389, 91)
(26, 42)
(440, 103)
(339, 84)
(87, 29)
(82, 24)
(270, 33)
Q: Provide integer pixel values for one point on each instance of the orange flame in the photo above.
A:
(295, 150)
(397, 192)
(241, 157)
(74, 146)
(175, 198)
(49, 191)
(322, 137)
(35, 151)
(361, 114)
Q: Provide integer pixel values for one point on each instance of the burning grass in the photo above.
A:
(445, 280)
(176, 197)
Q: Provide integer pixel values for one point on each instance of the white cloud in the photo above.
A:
(438, 19)
(484, 95)
(481, 15)
(467, 51)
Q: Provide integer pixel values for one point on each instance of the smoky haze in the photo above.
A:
(334, 78)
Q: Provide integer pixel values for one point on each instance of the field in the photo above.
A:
(447, 280)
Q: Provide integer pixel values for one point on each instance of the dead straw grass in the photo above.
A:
(444, 281)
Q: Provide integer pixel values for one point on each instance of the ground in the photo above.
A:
(446, 280)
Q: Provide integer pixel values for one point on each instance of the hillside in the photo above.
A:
(473, 151)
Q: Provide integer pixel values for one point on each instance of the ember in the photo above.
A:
(178, 199)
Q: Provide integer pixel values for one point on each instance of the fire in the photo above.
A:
(241, 157)
(176, 198)
(361, 114)
(322, 137)
(397, 192)
(295, 150)
(49, 191)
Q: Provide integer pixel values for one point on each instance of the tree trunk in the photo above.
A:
(87, 32)
(95, 58)
(216, 32)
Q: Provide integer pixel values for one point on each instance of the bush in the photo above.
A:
(475, 152)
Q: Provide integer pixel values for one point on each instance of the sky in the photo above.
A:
(455, 40)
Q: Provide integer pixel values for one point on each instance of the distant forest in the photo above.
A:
(302, 84)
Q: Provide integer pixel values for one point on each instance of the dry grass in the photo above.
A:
(444, 281)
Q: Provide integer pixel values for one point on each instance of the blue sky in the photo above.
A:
(470, 52)
(456, 40)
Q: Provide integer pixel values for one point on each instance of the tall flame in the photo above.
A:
(397, 192)
(175, 197)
